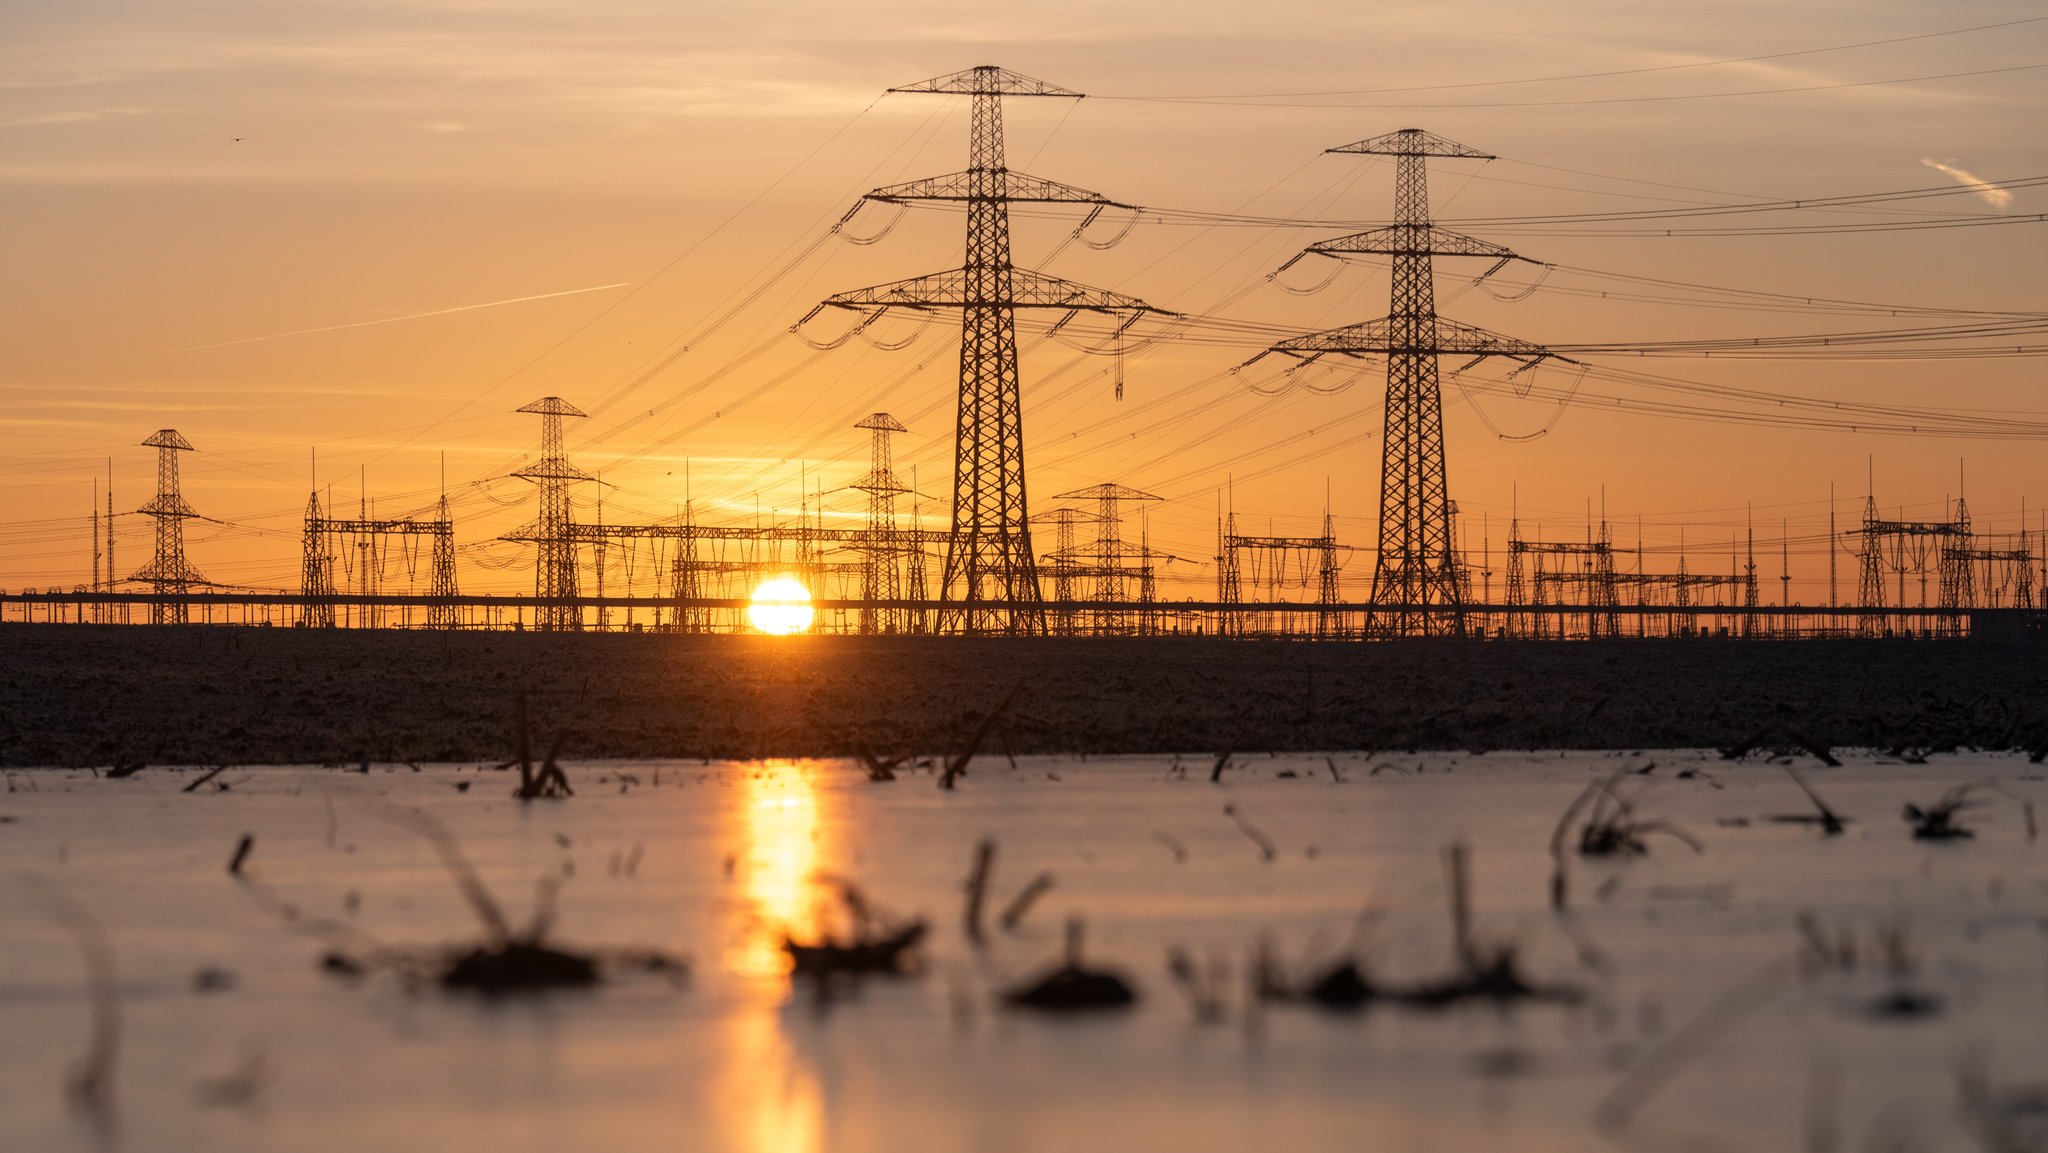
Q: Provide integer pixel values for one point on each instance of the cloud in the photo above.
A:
(1993, 195)
(395, 319)
(75, 116)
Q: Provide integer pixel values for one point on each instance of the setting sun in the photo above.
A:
(781, 607)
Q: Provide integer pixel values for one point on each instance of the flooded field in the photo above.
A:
(1777, 987)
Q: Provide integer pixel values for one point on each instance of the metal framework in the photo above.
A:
(883, 553)
(991, 578)
(1566, 572)
(1580, 589)
(2004, 577)
(1115, 564)
(169, 574)
(1417, 589)
(1903, 548)
(363, 547)
(554, 563)
(1274, 563)
(1063, 565)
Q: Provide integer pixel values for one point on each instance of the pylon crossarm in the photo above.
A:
(954, 288)
(551, 406)
(1412, 240)
(551, 469)
(1010, 186)
(168, 438)
(1439, 335)
(988, 80)
(1413, 142)
(1109, 491)
(169, 571)
(168, 504)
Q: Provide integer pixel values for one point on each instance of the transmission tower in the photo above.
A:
(882, 551)
(169, 574)
(316, 569)
(1415, 589)
(1112, 569)
(554, 566)
(991, 579)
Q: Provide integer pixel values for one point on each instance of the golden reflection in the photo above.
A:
(779, 815)
(771, 1100)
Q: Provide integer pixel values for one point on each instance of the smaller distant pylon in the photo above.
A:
(554, 565)
(169, 574)
(884, 548)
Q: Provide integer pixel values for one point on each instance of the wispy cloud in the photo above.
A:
(395, 319)
(1993, 195)
(75, 116)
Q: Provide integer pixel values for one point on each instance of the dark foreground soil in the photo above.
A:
(85, 695)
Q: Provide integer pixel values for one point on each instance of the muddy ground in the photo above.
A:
(85, 695)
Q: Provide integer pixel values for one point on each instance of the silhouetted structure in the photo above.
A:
(991, 577)
(554, 564)
(1114, 565)
(1416, 587)
(169, 574)
(1273, 563)
(362, 547)
(1915, 548)
(884, 554)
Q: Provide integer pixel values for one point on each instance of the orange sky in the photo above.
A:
(183, 184)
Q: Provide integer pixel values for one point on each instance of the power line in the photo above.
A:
(1634, 99)
(1594, 75)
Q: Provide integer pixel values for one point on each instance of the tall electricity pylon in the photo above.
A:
(882, 552)
(1415, 587)
(554, 565)
(170, 576)
(991, 579)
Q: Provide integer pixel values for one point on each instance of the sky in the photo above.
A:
(338, 244)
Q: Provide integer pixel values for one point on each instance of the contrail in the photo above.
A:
(387, 319)
(1993, 195)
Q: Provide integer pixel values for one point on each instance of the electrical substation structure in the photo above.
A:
(1106, 569)
(362, 546)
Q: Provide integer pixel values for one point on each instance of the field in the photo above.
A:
(84, 695)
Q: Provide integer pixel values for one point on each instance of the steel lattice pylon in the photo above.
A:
(883, 550)
(169, 574)
(991, 579)
(1416, 588)
(554, 566)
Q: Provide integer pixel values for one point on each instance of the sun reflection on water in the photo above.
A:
(779, 814)
(772, 1100)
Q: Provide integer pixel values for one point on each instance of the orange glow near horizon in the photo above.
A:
(288, 234)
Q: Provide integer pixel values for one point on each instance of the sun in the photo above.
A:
(781, 607)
